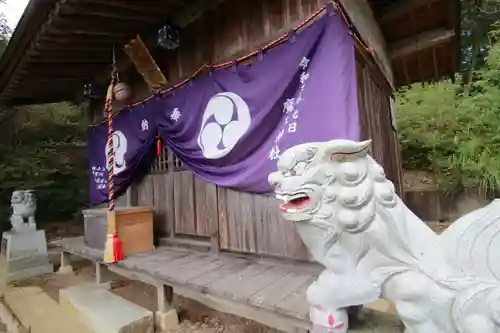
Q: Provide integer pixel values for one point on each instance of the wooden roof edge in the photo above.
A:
(401, 8)
(430, 38)
(38, 14)
(33, 17)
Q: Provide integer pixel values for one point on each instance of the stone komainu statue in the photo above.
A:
(372, 246)
(23, 204)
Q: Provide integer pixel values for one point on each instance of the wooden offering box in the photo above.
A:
(133, 224)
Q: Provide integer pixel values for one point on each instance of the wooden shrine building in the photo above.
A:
(214, 239)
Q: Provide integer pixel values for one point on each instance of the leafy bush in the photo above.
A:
(456, 136)
(43, 148)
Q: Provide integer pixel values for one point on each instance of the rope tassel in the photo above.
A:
(113, 249)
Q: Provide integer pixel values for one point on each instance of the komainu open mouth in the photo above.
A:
(294, 203)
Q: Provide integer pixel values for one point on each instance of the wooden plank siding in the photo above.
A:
(232, 29)
(374, 98)
(185, 205)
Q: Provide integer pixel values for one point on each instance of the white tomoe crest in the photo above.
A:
(225, 120)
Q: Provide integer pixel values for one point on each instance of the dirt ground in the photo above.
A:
(194, 317)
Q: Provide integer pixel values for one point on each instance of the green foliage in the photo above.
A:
(4, 31)
(43, 148)
(452, 134)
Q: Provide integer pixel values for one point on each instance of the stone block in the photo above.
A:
(24, 255)
(29, 273)
(26, 244)
(165, 321)
(105, 312)
(40, 313)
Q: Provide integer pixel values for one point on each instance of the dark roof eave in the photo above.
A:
(33, 17)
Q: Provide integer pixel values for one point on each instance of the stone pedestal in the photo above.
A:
(24, 255)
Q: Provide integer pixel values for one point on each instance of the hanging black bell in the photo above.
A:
(168, 37)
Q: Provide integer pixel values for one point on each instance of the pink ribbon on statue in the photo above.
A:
(330, 319)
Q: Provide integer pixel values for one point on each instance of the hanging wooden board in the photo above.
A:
(139, 54)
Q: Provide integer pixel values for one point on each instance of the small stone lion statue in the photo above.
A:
(23, 204)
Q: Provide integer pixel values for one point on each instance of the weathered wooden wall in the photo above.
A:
(188, 207)
(235, 28)
(374, 98)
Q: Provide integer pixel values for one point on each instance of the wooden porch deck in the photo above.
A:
(272, 293)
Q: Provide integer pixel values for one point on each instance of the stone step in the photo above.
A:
(39, 313)
(105, 312)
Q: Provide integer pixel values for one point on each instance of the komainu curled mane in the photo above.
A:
(373, 246)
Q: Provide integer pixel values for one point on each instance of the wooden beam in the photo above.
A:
(41, 48)
(68, 12)
(86, 32)
(49, 84)
(403, 7)
(50, 77)
(419, 42)
(78, 22)
(83, 41)
(71, 54)
(43, 84)
(194, 11)
(67, 61)
(83, 69)
(146, 9)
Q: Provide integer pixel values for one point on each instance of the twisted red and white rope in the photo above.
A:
(108, 105)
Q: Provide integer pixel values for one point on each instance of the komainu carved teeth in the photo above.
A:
(284, 198)
(298, 196)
